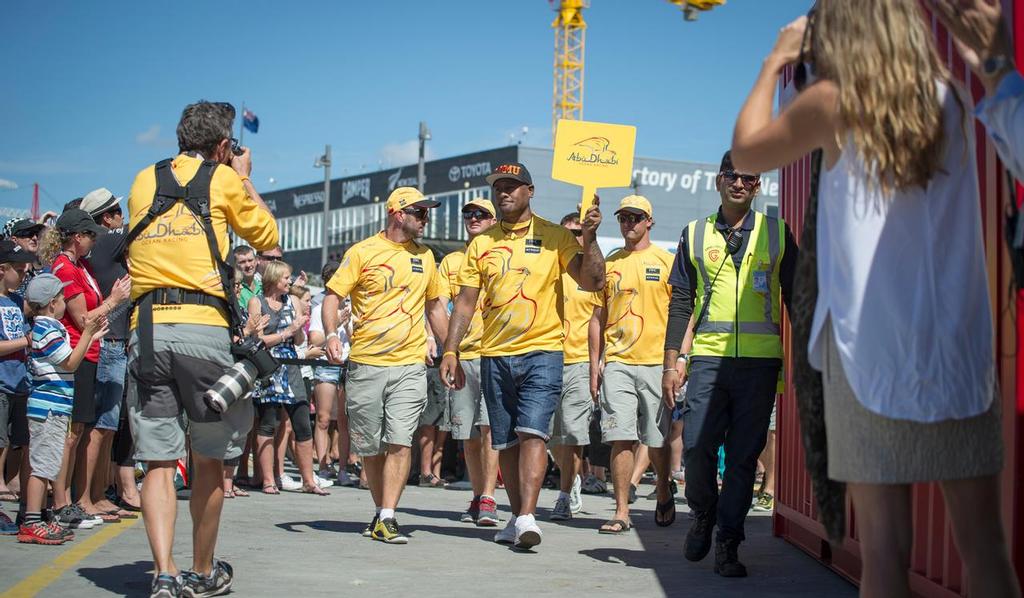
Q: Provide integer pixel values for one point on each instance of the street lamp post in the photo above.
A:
(324, 162)
(424, 137)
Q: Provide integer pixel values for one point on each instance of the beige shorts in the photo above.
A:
(436, 411)
(571, 424)
(631, 405)
(384, 404)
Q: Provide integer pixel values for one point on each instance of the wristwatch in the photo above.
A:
(993, 64)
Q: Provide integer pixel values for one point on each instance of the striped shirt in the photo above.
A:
(53, 388)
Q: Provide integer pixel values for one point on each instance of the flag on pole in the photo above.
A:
(250, 121)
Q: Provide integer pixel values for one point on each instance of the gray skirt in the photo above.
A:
(867, 448)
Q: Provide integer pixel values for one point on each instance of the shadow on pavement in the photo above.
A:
(128, 579)
(340, 527)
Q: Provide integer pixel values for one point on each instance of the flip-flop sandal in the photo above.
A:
(271, 489)
(614, 527)
(229, 494)
(107, 517)
(123, 514)
(8, 496)
(127, 506)
(661, 511)
(315, 490)
(432, 481)
(239, 493)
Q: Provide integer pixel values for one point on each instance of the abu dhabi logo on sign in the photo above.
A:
(594, 150)
(468, 171)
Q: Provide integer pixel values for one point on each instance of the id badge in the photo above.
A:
(760, 281)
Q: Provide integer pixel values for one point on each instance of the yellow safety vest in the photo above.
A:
(745, 313)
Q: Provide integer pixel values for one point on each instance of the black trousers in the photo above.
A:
(728, 401)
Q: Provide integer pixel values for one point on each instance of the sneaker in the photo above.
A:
(528, 534)
(7, 527)
(387, 531)
(68, 517)
(698, 537)
(679, 476)
(765, 503)
(322, 482)
(87, 521)
(197, 585)
(575, 500)
(593, 485)
(727, 562)
(507, 535)
(64, 532)
(488, 516)
(562, 510)
(40, 533)
(286, 482)
(368, 532)
(471, 514)
(165, 585)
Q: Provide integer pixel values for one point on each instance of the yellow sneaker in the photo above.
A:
(387, 531)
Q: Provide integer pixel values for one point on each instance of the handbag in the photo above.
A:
(830, 495)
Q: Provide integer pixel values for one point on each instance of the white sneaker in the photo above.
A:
(286, 482)
(528, 533)
(575, 499)
(322, 482)
(507, 535)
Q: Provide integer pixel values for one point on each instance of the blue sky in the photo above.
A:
(93, 90)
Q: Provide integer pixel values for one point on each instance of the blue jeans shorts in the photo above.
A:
(522, 393)
(111, 374)
(328, 374)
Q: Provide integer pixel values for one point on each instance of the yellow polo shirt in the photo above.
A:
(448, 274)
(389, 284)
(577, 309)
(518, 273)
(173, 252)
(636, 296)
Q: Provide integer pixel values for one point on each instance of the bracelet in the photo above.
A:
(685, 358)
(332, 335)
(244, 179)
(667, 370)
(447, 353)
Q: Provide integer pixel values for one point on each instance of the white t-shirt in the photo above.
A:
(316, 324)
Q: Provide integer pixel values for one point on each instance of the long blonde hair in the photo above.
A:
(51, 243)
(881, 56)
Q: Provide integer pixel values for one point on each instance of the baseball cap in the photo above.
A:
(78, 221)
(510, 170)
(637, 204)
(483, 204)
(405, 197)
(99, 201)
(12, 253)
(25, 227)
(43, 288)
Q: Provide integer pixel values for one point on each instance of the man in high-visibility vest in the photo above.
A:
(732, 269)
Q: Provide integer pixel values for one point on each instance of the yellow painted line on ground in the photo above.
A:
(48, 573)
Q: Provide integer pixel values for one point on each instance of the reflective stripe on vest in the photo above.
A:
(744, 317)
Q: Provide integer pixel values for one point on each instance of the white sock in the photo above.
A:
(387, 513)
(562, 495)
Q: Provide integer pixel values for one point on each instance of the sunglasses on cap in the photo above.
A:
(475, 215)
(749, 180)
(630, 218)
(417, 213)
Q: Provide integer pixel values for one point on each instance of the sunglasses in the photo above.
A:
(272, 258)
(749, 180)
(576, 232)
(475, 215)
(29, 235)
(629, 218)
(417, 213)
(800, 71)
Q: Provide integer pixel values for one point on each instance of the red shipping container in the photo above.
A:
(936, 569)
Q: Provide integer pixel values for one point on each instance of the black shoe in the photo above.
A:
(698, 538)
(165, 585)
(632, 494)
(368, 532)
(196, 585)
(727, 563)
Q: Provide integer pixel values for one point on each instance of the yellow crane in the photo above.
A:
(570, 40)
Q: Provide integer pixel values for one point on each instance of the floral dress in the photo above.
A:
(278, 389)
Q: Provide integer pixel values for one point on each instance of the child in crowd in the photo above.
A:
(52, 363)
(14, 380)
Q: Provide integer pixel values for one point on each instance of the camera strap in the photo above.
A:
(195, 195)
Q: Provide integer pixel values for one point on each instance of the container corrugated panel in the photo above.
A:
(936, 568)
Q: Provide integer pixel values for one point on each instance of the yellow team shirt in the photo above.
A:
(578, 308)
(518, 274)
(636, 296)
(173, 252)
(448, 275)
(389, 284)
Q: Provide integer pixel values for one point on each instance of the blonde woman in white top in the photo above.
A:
(902, 327)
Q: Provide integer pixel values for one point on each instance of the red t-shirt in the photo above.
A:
(80, 282)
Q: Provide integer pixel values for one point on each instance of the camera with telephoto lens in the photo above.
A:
(253, 362)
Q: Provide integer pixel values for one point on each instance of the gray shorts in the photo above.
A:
(467, 411)
(188, 358)
(571, 424)
(384, 404)
(46, 445)
(631, 406)
(434, 414)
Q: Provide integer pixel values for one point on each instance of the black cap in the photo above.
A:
(25, 227)
(11, 252)
(510, 170)
(77, 220)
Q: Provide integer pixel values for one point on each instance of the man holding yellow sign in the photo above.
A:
(514, 270)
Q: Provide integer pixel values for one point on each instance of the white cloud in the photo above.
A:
(403, 152)
(9, 185)
(150, 136)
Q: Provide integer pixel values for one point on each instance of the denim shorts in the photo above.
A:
(327, 374)
(111, 374)
(522, 393)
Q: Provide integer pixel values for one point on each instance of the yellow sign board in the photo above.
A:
(593, 155)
